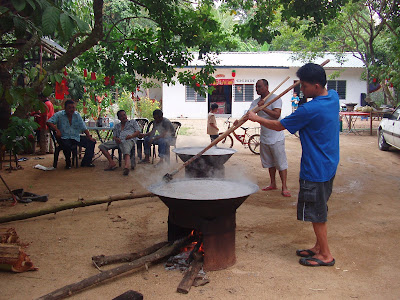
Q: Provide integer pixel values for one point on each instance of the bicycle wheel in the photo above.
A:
(254, 144)
(226, 142)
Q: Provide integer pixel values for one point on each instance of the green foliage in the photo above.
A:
(16, 137)
(145, 108)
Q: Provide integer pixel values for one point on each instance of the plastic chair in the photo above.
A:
(144, 128)
(58, 148)
(177, 126)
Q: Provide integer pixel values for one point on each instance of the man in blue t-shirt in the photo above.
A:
(318, 126)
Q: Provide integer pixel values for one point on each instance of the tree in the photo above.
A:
(131, 39)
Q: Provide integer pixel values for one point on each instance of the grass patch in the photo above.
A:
(185, 130)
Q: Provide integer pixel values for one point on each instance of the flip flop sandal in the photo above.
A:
(305, 261)
(309, 253)
(286, 194)
(110, 169)
(269, 188)
(125, 172)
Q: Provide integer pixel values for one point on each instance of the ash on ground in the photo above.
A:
(181, 262)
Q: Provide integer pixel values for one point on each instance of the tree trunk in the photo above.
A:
(65, 206)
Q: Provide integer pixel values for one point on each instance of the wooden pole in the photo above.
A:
(190, 275)
(74, 288)
(65, 206)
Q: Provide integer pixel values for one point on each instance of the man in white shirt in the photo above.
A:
(272, 147)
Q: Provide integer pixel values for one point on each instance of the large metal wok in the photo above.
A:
(209, 164)
(205, 197)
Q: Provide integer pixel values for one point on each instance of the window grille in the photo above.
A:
(339, 86)
(244, 92)
(193, 96)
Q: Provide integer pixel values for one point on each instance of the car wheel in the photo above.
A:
(381, 142)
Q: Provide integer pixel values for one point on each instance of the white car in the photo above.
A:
(389, 130)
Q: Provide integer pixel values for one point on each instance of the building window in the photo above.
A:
(193, 96)
(244, 92)
(339, 86)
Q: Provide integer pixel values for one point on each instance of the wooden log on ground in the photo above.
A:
(102, 260)
(74, 288)
(190, 275)
(65, 206)
(13, 259)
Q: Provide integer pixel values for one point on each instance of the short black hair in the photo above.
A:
(118, 112)
(312, 73)
(158, 112)
(214, 106)
(265, 81)
(69, 101)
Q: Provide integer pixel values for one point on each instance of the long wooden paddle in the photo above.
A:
(169, 176)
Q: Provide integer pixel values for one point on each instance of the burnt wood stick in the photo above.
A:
(102, 260)
(65, 206)
(153, 258)
(190, 275)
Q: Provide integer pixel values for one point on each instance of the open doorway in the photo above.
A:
(222, 95)
(299, 93)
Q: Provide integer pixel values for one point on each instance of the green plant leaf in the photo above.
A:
(66, 24)
(33, 73)
(83, 26)
(58, 78)
(48, 89)
(31, 3)
(50, 19)
(19, 4)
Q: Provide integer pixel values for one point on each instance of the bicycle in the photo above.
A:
(251, 141)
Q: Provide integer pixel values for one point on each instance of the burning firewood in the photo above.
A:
(157, 256)
(191, 274)
(102, 260)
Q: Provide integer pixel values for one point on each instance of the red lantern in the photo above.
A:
(233, 73)
(197, 84)
(106, 80)
(84, 72)
(93, 76)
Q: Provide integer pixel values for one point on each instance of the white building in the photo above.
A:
(238, 72)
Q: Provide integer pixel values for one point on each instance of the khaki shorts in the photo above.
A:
(274, 156)
(126, 146)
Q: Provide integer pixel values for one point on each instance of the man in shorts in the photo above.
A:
(318, 126)
(272, 143)
(124, 138)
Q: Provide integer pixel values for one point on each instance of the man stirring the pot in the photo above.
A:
(318, 126)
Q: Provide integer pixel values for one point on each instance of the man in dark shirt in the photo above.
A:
(160, 135)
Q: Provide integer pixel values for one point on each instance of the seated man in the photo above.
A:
(160, 135)
(125, 134)
(68, 125)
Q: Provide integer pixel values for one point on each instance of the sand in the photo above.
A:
(363, 228)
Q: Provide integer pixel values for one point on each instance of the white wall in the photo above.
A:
(174, 104)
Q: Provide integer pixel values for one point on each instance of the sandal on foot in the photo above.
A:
(143, 161)
(125, 172)
(269, 188)
(110, 168)
(286, 194)
(305, 261)
(309, 253)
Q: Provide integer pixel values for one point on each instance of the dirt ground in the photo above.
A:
(364, 229)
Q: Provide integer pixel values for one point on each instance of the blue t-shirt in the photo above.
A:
(318, 124)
